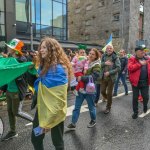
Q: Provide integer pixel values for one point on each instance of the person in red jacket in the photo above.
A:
(139, 76)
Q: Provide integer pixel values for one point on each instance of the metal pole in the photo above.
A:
(31, 27)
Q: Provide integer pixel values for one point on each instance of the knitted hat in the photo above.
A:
(16, 45)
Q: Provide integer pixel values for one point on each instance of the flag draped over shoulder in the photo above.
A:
(109, 42)
(52, 97)
(10, 69)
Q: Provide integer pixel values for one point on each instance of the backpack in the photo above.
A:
(90, 87)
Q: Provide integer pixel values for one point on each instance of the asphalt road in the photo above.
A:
(115, 131)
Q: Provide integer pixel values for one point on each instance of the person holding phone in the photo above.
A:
(51, 87)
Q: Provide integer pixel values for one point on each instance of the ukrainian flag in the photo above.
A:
(52, 97)
(109, 42)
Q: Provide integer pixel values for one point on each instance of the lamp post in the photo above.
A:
(31, 27)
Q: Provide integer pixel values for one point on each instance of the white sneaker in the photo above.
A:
(104, 99)
(73, 82)
(81, 90)
(75, 92)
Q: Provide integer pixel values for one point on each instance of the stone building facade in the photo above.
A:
(93, 21)
(147, 22)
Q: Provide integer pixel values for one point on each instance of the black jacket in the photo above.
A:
(124, 64)
(21, 81)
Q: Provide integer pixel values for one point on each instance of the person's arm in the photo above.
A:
(95, 74)
(126, 65)
(4, 55)
(102, 62)
(132, 65)
(74, 61)
(117, 67)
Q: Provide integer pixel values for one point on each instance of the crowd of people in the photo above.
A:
(87, 75)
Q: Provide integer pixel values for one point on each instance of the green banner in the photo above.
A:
(10, 69)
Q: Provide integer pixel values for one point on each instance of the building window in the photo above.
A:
(49, 18)
(89, 7)
(101, 3)
(116, 17)
(116, 1)
(116, 33)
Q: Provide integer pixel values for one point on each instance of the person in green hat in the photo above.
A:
(16, 91)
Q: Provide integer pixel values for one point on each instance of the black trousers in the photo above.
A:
(56, 134)
(145, 94)
(97, 93)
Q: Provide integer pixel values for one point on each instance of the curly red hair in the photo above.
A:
(56, 55)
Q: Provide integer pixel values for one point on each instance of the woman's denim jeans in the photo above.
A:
(123, 79)
(90, 98)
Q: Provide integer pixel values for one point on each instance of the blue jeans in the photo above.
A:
(123, 79)
(90, 98)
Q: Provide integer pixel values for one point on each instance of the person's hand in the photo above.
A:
(106, 74)
(79, 78)
(4, 55)
(108, 63)
(46, 130)
(85, 71)
(142, 62)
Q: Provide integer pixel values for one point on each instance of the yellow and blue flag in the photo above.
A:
(109, 42)
(52, 97)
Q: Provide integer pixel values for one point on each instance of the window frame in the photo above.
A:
(114, 33)
(116, 1)
(102, 2)
(116, 16)
(40, 31)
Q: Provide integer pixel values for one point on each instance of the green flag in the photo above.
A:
(10, 69)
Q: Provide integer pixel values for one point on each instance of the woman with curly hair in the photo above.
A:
(51, 86)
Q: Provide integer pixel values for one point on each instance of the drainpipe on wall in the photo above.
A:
(31, 27)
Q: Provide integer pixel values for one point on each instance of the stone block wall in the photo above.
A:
(92, 22)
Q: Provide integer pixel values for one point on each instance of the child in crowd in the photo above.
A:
(80, 65)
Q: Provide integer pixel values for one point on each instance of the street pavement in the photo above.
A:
(115, 131)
